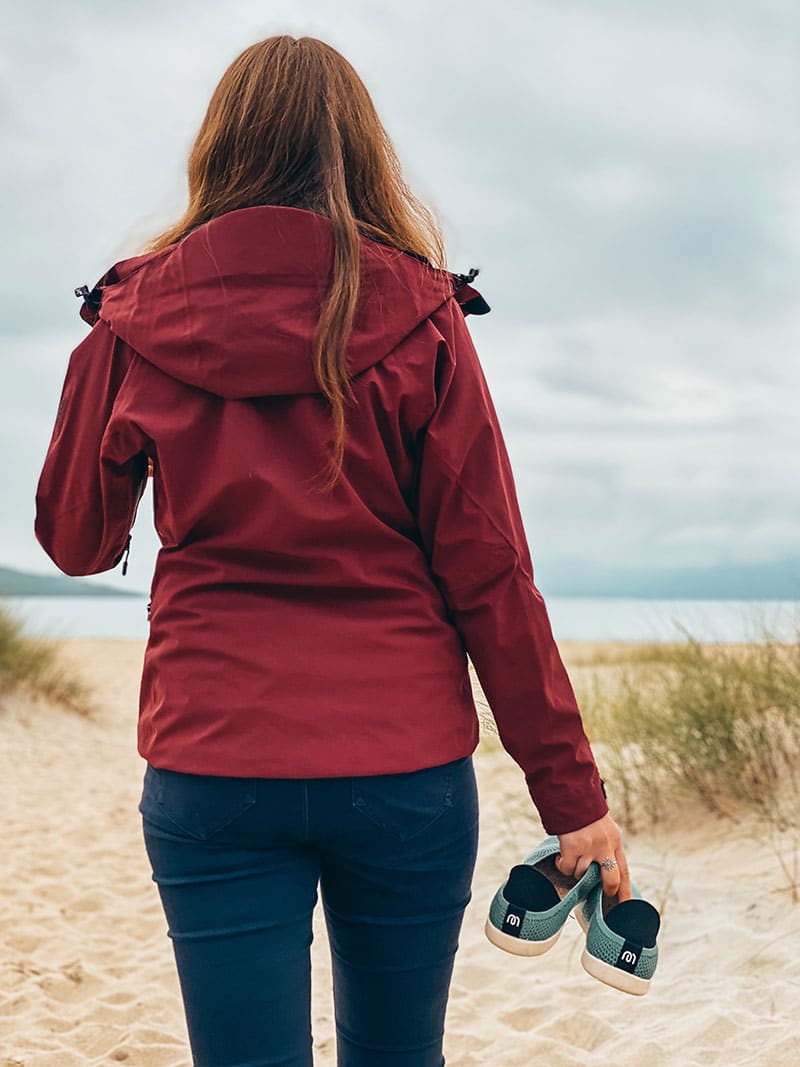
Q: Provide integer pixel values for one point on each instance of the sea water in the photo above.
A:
(571, 618)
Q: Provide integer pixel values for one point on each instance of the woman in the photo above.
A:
(339, 528)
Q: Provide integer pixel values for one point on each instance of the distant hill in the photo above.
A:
(576, 578)
(21, 583)
(778, 580)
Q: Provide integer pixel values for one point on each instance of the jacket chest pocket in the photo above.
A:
(198, 805)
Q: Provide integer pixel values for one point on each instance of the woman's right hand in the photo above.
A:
(596, 841)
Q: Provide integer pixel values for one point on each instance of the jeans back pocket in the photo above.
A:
(199, 805)
(405, 804)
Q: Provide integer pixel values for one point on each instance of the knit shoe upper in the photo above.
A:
(621, 948)
(529, 910)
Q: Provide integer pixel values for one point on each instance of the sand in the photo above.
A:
(86, 968)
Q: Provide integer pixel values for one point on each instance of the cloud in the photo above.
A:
(625, 176)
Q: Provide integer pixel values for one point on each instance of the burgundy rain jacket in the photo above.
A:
(292, 633)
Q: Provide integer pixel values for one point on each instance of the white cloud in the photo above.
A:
(625, 176)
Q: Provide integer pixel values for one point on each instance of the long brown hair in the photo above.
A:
(291, 123)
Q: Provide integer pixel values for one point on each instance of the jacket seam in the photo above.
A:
(497, 529)
(450, 348)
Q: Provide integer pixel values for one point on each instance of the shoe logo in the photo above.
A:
(628, 956)
(512, 923)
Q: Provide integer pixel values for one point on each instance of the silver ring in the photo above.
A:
(608, 863)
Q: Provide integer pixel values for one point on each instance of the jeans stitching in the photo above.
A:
(393, 970)
(360, 802)
(385, 1048)
(246, 800)
(402, 920)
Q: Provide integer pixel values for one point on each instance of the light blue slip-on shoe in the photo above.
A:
(529, 909)
(621, 948)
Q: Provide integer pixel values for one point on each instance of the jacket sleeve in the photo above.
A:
(470, 522)
(95, 469)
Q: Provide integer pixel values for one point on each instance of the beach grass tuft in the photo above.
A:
(31, 665)
(714, 723)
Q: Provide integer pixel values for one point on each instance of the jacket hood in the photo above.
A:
(232, 307)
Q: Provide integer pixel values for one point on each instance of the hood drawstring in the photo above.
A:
(91, 297)
(124, 555)
(471, 301)
(465, 279)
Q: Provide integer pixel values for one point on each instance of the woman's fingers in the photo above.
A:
(575, 865)
(616, 880)
(562, 862)
(582, 866)
(597, 841)
(624, 888)
(611, 877)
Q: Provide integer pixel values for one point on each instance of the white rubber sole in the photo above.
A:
(613, 976)
(518, 945)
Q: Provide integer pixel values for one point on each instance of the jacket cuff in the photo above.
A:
(563, 815)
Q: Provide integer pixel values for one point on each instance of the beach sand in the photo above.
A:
(86, 967)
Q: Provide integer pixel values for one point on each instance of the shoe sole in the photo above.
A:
(605, 972)
(518, 945)
(577, 911)
(610, 975)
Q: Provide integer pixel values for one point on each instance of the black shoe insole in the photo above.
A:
(530, 889)
(635, 920)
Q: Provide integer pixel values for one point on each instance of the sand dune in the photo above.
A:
(87, 969)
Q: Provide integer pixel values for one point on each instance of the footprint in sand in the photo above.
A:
(120, 999)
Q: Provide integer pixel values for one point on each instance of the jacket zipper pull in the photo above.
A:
(125, 553)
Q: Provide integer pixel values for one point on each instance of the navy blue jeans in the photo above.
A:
(237, 862)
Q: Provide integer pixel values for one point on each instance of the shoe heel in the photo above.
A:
(517, 945)
(612, 976)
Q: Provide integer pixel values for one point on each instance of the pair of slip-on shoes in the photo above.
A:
(528, 912)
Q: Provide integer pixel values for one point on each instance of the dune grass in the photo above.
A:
(714, 723)
(720, 722)
(32, 665)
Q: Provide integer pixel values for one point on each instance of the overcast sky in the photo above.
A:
(626, 176)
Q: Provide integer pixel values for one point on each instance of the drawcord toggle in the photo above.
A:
(465, 279)
(91, 297)
(125, 553)
(462, 280)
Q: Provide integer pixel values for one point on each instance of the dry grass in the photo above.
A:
(32, 666)
(676, 723)
(715, 723)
